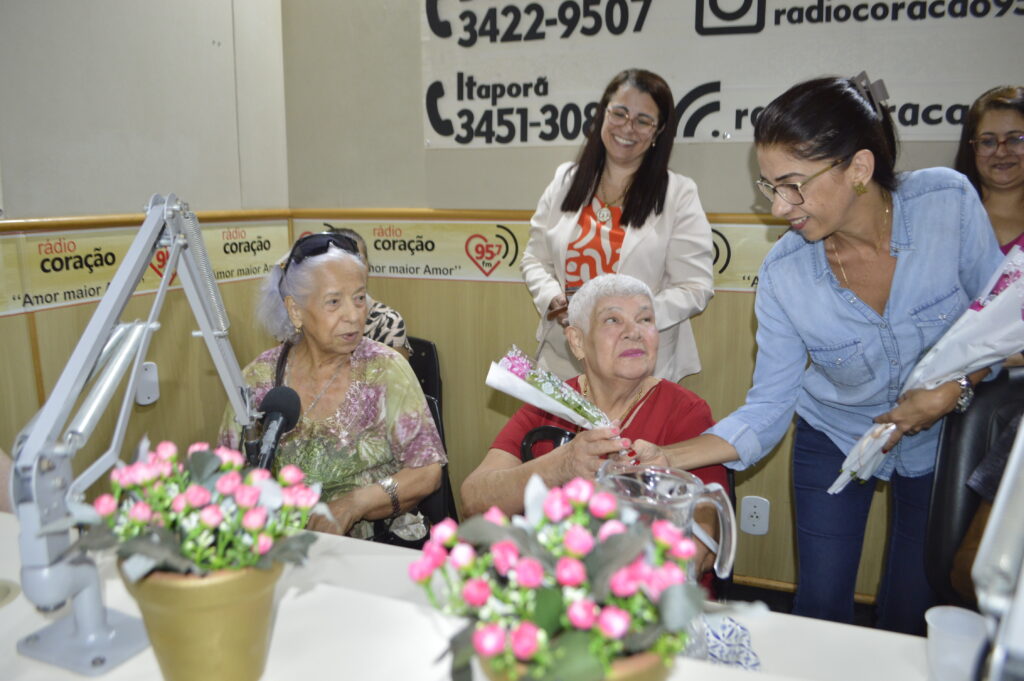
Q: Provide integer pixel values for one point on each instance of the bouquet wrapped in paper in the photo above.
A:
(991, 329)
(517, 375)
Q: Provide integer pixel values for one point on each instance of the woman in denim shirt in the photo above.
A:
(875, 268)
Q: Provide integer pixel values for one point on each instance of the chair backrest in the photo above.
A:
(427, 366)
(964, 441)
(440, 503)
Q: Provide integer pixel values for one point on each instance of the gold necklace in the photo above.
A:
(585, 387)
(604, 213)
(316, 400)
(835, 251)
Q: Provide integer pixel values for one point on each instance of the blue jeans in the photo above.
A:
(830, 536)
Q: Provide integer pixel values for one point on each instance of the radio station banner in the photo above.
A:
(487, 251)
(521, 72)
(56, 269)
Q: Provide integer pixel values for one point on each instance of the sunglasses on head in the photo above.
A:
(317, 244)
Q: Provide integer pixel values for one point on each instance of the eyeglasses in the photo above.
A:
(642, 123)
(987, 145)
(790, 191)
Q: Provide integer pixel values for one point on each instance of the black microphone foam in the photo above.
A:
(284, 401)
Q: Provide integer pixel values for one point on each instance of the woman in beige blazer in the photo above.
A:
(619, 209)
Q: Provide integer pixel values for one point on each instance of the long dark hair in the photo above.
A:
(646, 192)
(1002, 97)
(830, 119)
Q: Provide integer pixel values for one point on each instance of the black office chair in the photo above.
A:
(440, 503)
(964, 441)
(427, 366)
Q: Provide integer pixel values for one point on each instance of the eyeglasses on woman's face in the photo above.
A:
(790, 192)
(642, 123)
(987, 145)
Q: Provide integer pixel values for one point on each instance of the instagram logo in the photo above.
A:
(738, 16)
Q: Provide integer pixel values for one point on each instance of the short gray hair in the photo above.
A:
(582, 303)
(297, 282)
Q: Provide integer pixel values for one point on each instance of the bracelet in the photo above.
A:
(391, 487)
(966, 394)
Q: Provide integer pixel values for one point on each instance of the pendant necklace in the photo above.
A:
(585, 387)
(316, 400)
(604, 213)
(835, 251)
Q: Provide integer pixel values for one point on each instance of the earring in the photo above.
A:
(860, 188)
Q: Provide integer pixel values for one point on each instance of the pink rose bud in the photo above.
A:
(229, 458)
(291, 475)
(570, 572)
(229, 482)
(525, 640)
(665, 533)
(421, 570)
(117, 475)
(556, 505)
(639, 570)
(145, 473)
(141, 512)
(579, 490)
(255, 518)
(264, 543)
(662, 578)
(197, 496)
(165, 468)
(247, 497)
(582, 613)
(179, 503)
(435, 554)
(603, 504)
(529, 573)
(462, 555)
(622, 583)
(198, 447)
(165, 451)
(305, 497)
(613, 622)
(496, 515)
(476, 591)
(578, 541)
(444, 532)
(684, 549)
(489, 640)
(258, 475)
(105, 504)
(609, 528)
(505, 553)
(211, 516)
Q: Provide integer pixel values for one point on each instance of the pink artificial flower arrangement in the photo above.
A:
(564, 590)
(202, 512)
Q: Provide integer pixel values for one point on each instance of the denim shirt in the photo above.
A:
(945, 253)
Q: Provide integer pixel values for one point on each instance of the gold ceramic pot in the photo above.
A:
(645, 666)
(212, 627)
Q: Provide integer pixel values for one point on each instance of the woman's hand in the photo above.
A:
(347, 511)
(558, 310)
(918, 410)
(584, 454)
(649, 454)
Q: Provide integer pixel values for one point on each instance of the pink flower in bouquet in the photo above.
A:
(556, 505)
(435, 554)
(578, 540)
(165, 451)
(579, 490)
(582, 613)
(229, 482)
(198, 447)
(179, 503)
(489, 640)
(496, 515)
(105, 504)
(257, 475)
(211, 516)
(230, 457)
(685, 549)
(613, 622)
(505, 553)
(516, 363)
(603, 504)
(622, 583)
(305, 497)
(247, 496)
(420, 570)
(444, 532)
(665, 533)
(142, 473)
(529, 573)
(570, 572)
(118, 475)
(291, 475)
(141, 512)
(264, 543)
(609, 528)
(476, 592)
(639, 570)
(662, 577)
(255, 518)
(525, 640)
(197, 496)
(462, 555)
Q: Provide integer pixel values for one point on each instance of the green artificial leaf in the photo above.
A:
(572, 659)
(291, 549)
(481, 532)
(615, 552)
(548, 611)
(162, 546)
(461, 648)
(96, 538)
(137, 566)
(202, 466)
(639, 641)
(679, 604)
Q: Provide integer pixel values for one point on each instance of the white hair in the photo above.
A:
(583, 302)
(297, 282)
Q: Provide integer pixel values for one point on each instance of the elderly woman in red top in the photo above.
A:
(613, 333)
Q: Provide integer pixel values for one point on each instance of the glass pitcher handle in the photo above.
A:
(715, 494)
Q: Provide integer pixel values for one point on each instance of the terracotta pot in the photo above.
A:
(640, 667)
(212, 627)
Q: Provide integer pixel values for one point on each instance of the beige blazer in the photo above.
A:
(671, 252)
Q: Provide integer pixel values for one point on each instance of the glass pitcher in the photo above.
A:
(672, 494)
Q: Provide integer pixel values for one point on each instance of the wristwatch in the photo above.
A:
(966, 394)
(391, 487)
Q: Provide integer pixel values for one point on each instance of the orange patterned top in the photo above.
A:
(594, 247)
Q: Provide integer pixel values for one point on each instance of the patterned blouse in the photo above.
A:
(385, 325)
(595, 245)
(381, 426)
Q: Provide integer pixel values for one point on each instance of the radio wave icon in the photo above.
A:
(510, 248)
(689, 125)
(723, 251)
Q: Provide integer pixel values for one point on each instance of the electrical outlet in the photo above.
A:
(754, 515)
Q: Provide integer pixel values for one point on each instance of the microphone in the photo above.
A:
(281, 408)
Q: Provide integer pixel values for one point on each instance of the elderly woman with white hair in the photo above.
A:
(613, 332)
(365, 432)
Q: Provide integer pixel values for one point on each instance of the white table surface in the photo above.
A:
(352, 612)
